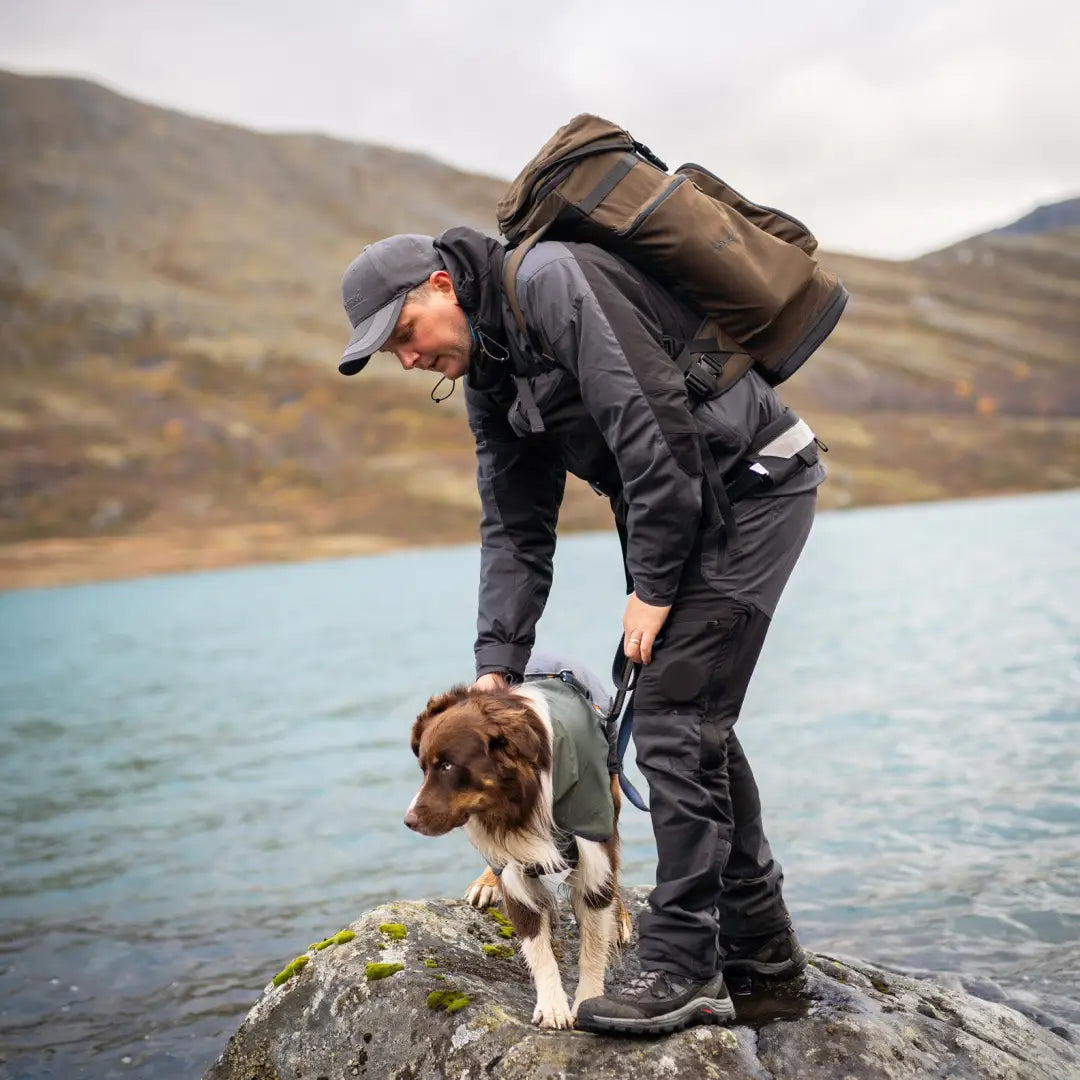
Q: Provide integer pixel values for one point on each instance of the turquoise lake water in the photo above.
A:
(201, 774)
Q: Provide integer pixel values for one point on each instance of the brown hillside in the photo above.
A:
(169, 328)
(233, 241)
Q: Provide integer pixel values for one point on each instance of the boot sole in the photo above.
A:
(698, 1011)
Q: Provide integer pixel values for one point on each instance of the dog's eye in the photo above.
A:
(446, 766)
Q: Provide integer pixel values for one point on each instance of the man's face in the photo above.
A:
(432, 333)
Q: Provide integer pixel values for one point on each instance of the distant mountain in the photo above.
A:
(170, 324)
(231, 240)
(1053, 217)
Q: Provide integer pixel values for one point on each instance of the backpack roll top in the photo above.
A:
(533, 200)
(747, 267)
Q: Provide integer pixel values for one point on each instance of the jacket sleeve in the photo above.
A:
(636, 394)
(521, 489)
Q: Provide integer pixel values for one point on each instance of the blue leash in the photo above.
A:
(624, 672)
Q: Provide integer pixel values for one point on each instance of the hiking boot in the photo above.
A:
(774, 957)
(657, 1003)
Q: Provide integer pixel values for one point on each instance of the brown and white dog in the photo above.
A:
(487, 761)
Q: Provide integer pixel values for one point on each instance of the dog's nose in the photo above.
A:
(411, 819)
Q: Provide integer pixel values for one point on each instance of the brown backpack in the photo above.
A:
(747, 268)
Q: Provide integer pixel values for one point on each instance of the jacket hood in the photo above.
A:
(474, 262)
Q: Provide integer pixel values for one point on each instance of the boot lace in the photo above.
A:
(642, 984)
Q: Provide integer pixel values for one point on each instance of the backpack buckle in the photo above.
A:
(704, 374)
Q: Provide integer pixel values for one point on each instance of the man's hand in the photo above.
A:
(491, 681)
(641, 623)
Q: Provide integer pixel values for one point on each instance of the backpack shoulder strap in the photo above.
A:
(511, 266)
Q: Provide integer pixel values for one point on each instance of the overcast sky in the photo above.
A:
(889, 128)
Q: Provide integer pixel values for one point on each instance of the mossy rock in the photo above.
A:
(833, 1022)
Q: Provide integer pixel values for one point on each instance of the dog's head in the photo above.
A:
(482, 754)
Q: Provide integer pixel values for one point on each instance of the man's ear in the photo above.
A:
(442, 282)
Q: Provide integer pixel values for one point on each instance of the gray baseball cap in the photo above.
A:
(374, 288)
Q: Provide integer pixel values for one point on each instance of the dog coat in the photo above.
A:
(580, 781)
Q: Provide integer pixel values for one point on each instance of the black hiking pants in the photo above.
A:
(716, 878)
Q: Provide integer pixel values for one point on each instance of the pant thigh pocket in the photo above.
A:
(728, 638)
(695, 653)
(713, 751)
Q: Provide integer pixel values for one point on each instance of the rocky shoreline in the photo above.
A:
(434, 988)
(36, 564)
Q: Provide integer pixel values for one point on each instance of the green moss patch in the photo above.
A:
(430, 961)
(502, 951)
(506, 931)
(450, 1001)
(375, 972)
(395, 931)
(291, 970)
(338, 939)
(881, 986)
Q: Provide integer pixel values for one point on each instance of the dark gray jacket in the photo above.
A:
(616, 414)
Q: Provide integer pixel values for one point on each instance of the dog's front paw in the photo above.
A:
(484, 891)
(554, 1013)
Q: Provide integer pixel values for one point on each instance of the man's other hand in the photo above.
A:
(641, 623)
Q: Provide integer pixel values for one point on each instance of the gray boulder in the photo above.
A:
(435, 989)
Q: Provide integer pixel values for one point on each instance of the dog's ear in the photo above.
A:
(513, 731)
(437, 704)
(441, 702)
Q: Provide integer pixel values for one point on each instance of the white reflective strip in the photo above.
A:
(789, 443)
